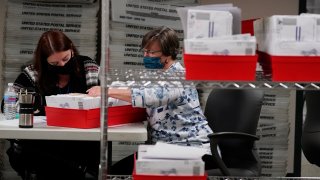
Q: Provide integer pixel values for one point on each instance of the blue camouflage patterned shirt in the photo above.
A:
(175, 115)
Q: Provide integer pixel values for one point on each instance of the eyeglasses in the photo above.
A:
(149, 51)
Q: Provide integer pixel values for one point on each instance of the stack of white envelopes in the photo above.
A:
(169, 160)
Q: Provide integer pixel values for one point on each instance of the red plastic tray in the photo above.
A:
(225, 68)
(125, 114)
(291, 68)
(247, 26)
(79, 118)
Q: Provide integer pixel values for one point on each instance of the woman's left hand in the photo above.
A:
(94, 91)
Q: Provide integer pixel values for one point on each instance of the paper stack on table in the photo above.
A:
(169, 159)
(73, 101)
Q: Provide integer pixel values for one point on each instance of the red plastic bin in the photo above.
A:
(125, 114)
(80, 118)
(247, 26)
(291, 68)
(219, 67)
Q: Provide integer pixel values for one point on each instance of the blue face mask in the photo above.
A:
(152, 63)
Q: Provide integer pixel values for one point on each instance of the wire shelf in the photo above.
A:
(117, 177)
(143, 78)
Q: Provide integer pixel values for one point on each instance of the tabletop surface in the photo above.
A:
(9, 129)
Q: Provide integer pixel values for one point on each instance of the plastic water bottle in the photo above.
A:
(10, 100)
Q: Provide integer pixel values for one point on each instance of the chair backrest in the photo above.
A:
(310, 140)
(235, 110)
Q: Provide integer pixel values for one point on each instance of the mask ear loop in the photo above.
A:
(72, 47)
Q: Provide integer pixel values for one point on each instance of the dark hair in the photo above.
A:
(167, 38)
(51, 42)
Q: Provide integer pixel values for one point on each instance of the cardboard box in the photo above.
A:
(220, 68)
(81, 118)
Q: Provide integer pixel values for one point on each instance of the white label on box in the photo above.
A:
(129, 27)
(172, 2)
(55, 10)
(145, 13)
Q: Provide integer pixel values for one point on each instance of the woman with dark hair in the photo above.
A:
(57, 69)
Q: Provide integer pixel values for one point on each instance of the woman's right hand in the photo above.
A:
(94, 91)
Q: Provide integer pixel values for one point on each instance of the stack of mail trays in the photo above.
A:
(164, 159)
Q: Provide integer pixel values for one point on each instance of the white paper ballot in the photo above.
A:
(289, 35)
(235, 12)
(170, 167)
(73, 101)
(150, 161)
(116, 102)
(283, 48)
(226, 46)
(172, 151)
(208, 24)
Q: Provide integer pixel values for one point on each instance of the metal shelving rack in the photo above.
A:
(141, 77)
(226, 178)
(103, 169)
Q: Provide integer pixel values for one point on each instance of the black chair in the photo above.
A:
(310, 139)
(233, 115)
